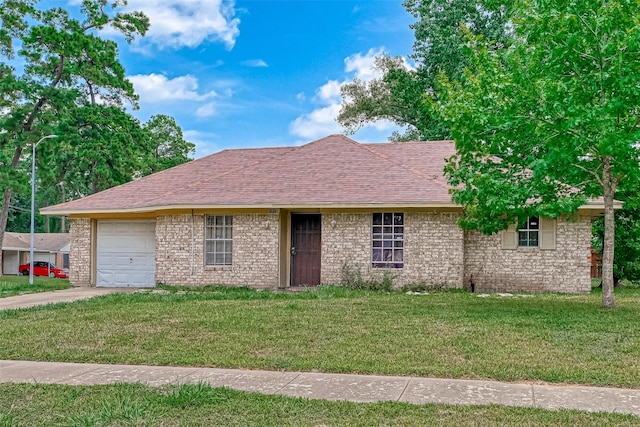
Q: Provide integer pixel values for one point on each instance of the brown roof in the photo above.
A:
(43, 242)
(331, 172)
(334, 170)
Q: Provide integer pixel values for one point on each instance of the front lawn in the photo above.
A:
(552, 338)
(17, 285)
(201, 405)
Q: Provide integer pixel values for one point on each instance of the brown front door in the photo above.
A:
(305, 249)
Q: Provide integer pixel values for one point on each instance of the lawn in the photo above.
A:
(18, 285)
(545, 337)
(191, 405)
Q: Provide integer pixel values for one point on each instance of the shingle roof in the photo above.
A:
(43, 242)
(334, 170)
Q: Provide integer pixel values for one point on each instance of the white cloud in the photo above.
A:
(329, 92)
(206, 110)
(154, 88)
(322, 121)
(189, 23)
(363, 65)
(254, 63)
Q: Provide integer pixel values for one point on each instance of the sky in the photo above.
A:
(259, 73)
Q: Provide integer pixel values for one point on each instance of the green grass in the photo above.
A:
(546, 337)
(18, 285)
(201, 405)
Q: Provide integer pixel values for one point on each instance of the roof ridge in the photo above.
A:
(257, 162)
(396, 161)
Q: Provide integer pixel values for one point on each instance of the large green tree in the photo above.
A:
(166, 144)
(439, 47)
(65, 61)
(626, 263)
(551, 121)
(101, 147)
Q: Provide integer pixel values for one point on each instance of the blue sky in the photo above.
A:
(259, 72)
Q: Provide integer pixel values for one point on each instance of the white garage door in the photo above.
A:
(10, 261)
(126, 254)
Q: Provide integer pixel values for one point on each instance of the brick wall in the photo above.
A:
(80, 252)
(433, 251)
(180, 252)
(436, 252)
(565, 269)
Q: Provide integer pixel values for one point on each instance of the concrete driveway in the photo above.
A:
(65, 295)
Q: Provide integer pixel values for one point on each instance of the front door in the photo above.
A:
(305, 249)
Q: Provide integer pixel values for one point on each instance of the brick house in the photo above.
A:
(290, 216)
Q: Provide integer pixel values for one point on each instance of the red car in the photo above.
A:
(41, 268)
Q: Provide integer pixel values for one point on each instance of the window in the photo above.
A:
(218, 240)
(387, 240)
(528, 234)
(65, 260)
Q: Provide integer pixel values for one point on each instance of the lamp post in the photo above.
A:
(33, 202)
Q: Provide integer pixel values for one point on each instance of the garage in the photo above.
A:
(126, 254)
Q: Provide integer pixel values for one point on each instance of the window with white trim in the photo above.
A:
(528, 234)
(218, 240)
(387, 240)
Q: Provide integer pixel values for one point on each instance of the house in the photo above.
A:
(290, 216)
(51, 247)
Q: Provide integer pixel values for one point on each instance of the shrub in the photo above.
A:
(351, 277)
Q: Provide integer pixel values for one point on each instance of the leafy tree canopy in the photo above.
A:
(63, 60)
(550, 121)
(398, 95)
(167, 147)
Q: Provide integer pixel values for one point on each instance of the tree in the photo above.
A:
(551, 121)
(626, 260)
(102, 146)
(439, 48)
(167, 147)
(65, 60)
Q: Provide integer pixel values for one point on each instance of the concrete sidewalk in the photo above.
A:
(53, 297)
(356, 388)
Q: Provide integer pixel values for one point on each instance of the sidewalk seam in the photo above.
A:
(533, 396)
(406, 386)
(290, 381)
(179, 377)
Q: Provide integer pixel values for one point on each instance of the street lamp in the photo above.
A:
(33, 202)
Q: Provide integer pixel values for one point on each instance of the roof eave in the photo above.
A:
(320, 205)
(589, 206)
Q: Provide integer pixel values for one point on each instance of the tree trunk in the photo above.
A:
(608, 191)
(4, 216)
(63, 224)
(47, 224)
(6, 200)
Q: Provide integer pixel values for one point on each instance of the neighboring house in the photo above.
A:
(51, 247)
(280, 217)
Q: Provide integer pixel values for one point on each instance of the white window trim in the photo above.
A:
(227, 225)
